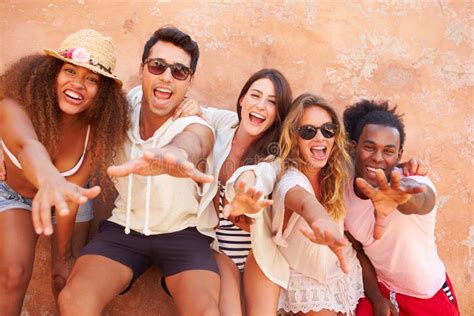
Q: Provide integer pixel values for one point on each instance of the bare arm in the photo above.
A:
(381, 306)
(183, 157)
(3, 170)
(324, 230)
(19, 135)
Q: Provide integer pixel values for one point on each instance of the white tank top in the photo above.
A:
(67, 173)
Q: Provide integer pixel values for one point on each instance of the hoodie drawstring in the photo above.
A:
(129, 196)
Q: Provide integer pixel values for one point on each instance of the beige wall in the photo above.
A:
(417, 54)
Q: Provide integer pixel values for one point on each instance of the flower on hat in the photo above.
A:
(81, 55)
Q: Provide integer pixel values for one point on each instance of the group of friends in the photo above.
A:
(280, 206)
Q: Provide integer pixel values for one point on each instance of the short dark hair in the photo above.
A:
(176, 37)
(370, 112)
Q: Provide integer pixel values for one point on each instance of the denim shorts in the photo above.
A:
(10, 199)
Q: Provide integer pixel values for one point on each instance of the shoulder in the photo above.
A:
(190, 123)
(293, 177)
(134, 96)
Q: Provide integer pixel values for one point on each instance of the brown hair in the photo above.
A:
(335, 174)
(267, 144)
(31, 81)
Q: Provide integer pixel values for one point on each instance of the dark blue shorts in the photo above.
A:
(173, 253)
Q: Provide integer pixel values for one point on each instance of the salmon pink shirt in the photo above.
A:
(405, 258)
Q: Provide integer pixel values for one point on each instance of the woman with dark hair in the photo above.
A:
(242, 139)
(62, 116)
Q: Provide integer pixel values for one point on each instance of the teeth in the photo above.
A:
(371, 169)
(318, 147)
(164, 90)
(73, 95)
(257, 115)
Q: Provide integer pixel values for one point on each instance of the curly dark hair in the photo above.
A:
(370, 112)
(31, 81)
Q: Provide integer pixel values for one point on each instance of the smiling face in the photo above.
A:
(315, 151)
(76, 88)
(378, 148)
(163, 93)
(258, 107)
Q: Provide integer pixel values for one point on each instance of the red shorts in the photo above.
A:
(443, 303)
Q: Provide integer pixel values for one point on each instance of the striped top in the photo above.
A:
(233, 241)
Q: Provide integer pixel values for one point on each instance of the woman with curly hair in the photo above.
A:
(62, 116)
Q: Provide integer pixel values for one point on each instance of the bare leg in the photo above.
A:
(79, 239)
(93, 283)
(195, 292)
(17, 252)
(229, 298)
(261, 294)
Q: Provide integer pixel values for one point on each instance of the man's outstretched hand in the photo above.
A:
(386, 197)
(169, 160)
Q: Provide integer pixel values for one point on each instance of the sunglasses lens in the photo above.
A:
(328, 130)
(180, 72)
(156, 67)
(307, 132)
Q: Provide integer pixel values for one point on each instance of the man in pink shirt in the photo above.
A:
(391, 220)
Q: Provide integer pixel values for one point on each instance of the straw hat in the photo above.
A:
(89, 49)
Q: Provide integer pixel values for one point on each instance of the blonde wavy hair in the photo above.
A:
(335, 175)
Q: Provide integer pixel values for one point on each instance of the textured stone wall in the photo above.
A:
(417, 54)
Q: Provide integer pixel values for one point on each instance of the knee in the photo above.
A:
(15, 276)
(67, 301)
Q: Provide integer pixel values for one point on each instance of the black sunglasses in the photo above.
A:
(157, 66)
(307, 132)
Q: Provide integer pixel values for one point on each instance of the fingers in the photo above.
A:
(240, 187)
(200, 177)
(365, 187)
(187, 108)
(308, 234)
(35, 216)
(90, 193)
(227, 211)
(342, 259)
(265, 203)
(41, 214)
(381, 179)
(125, 169)
(178, 112)
(395, 180)
(410, 167)
(60, 204)
(416, 167)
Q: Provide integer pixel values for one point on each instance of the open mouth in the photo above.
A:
(162, 93)
(256, 118)
(73, 95)
(371, 170)
(319, 152)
